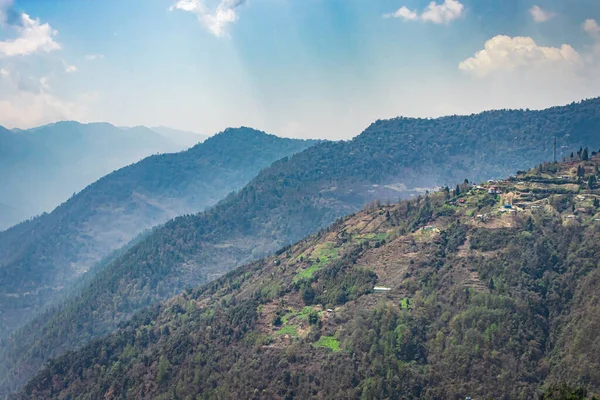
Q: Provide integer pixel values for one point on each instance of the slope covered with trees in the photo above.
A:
(488, 292)
(293, 198)
(40, 257)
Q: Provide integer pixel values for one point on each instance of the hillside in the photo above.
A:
(60, 159)
(484, 291)
(291, 199)
(41, 257)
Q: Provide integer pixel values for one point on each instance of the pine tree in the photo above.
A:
(585, 155)
(457, 191)
(529, 226)
(491, 285)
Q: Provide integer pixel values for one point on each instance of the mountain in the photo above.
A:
(42, 256)
(291, 199)
(183, 138)
(487, 291)
(42, 167)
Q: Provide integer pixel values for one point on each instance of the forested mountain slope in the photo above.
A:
(488, 292)
(293, 198)
(40, 257)
(42, 167)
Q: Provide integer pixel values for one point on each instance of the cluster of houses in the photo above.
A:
(491, 189)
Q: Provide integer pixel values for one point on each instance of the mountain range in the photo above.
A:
(44, 255)
(292, 198)
(485, 291)
(41, 167)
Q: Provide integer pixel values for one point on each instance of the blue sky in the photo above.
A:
(303, 68)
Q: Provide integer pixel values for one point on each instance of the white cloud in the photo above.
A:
(590, 26)
(32, 37)
(92, 57)
(4, 73)
(215, 20)
(404, 13)
(442, 13)
(70, 68)
(540, 15)
(504, 53)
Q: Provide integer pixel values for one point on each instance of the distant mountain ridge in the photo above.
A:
(41, 256)
(299, 195)
(42, 167)
(184, 138)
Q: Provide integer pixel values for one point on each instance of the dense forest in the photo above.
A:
(483, 291)
(292, 198)
(41, 257)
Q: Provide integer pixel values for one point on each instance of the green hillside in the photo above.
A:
(484, 291)
(291, 199)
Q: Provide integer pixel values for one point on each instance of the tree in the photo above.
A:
(313, 318)
(457, 191)
(564, 392)
(592, 181)
(585, 156)
(491, 285)
(596, 202)
(308, 294)
(529, 224)
(163, 369)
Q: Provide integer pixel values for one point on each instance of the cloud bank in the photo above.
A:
(505, 53)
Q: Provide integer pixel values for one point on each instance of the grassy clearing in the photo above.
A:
(301, 315)
(373, 236)
(325, 252)
(329, 342)
(271, 290)
(308, 272)
(291, 330)
(423, 234)
(322, 255)
(404, 303)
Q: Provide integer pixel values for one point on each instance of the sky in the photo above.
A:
(294, 68)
